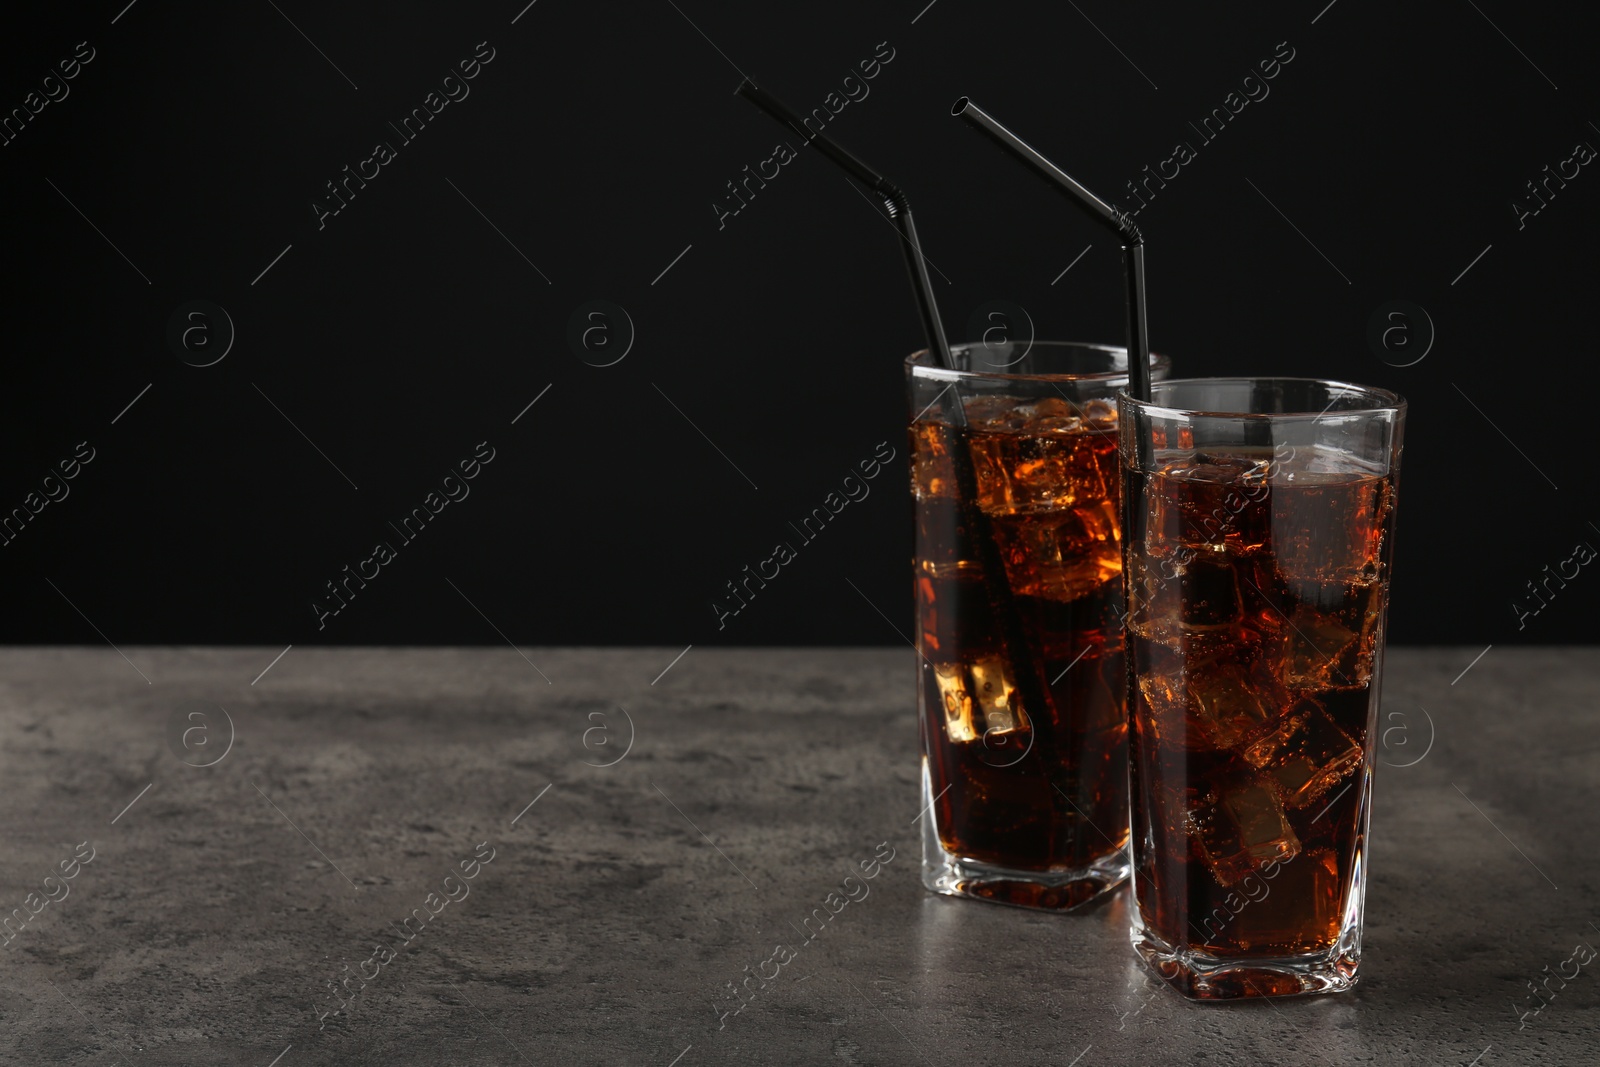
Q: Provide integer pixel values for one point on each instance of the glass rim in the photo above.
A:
(920, 365)
(1378, 400)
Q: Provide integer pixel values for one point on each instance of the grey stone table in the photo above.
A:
(609, 906)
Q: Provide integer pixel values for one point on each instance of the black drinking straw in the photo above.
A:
(1116, 221)
(894, 202)
(1025, 669)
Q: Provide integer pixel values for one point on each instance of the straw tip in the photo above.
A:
(745, 88)
(960, 105)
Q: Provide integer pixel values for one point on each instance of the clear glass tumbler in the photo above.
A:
(1022, 681)
(1260, 519)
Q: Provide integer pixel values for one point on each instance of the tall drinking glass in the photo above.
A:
(1022, 680)
(1260, 535)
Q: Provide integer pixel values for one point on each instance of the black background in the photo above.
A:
(408, 329)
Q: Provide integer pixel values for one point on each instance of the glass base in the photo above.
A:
(944, 872)
(1200, 976)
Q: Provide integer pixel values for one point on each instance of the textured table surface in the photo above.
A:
(222, 902)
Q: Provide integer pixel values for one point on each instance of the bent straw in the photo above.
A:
(1025, 670)
(894, 201)
(1118, 222)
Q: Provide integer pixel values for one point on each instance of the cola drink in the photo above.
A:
(1257, 585)
(1027, 804)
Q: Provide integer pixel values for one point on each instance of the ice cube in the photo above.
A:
(1213, 500)
(1152, 599)
(1157, 700)
(994, 412)
(958, 705)
(1363, 611)
(1305, 755)
(980, 699)
(1052, 407)
(1062, 553)
(1038, 469)
(1074, 461)
(1087, 547)
(1241, 827)
(996, 696)
(1183, 596)
(1208, 693)
(1056, 424)
(1227, 704)
(1101, 414)
(931, 472)
(1108, 462)
(1163, 708)
(1315, 647)
(1328, 526)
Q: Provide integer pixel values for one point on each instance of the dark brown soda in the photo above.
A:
(1024, 788)
(1257, 586)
